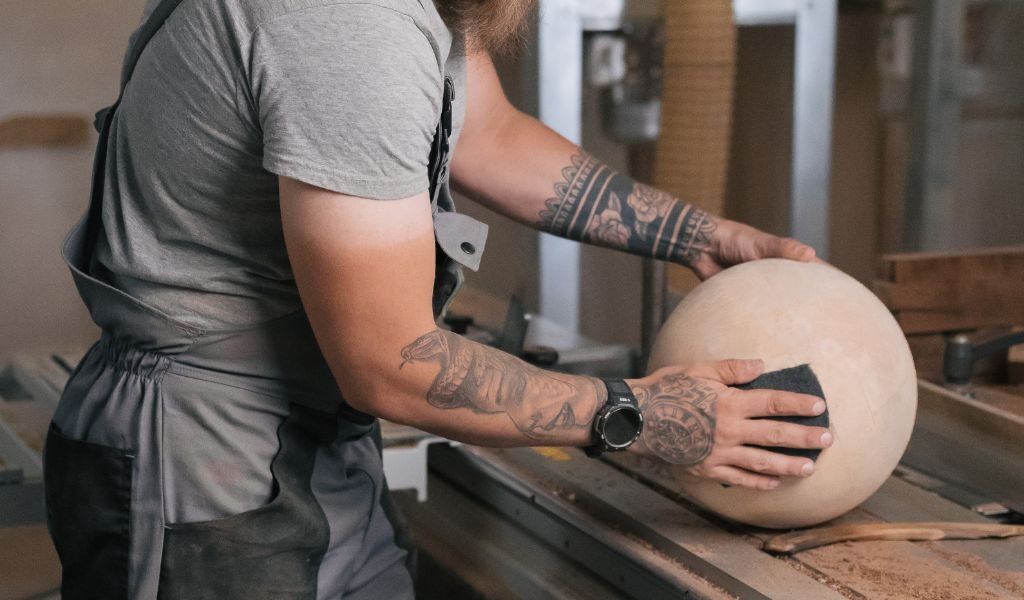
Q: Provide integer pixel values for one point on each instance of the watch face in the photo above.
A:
(622, 426)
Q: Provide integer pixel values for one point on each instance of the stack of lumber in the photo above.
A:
(937, 292)
(978, 292)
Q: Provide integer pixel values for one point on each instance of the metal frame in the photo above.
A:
(560, 60)
(560, 31)
(934, 134)
(630, 536)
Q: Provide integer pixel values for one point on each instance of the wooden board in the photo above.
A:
(43, 130)
(947, 291)
(978, 569)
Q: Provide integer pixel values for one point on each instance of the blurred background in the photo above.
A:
(61, 59)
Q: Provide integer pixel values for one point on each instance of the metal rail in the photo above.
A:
(631, 537)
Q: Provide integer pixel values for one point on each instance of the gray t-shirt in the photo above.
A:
(341, 94)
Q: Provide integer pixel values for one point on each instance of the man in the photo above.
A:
(272, 150)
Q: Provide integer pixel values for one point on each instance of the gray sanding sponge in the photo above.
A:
(801, 380)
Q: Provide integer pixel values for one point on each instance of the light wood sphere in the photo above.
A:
(788, 314)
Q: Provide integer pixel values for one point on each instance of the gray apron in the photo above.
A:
(185, 463)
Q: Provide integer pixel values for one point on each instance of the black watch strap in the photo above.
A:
(621, 412)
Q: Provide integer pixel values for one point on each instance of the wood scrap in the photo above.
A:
(932, 292)
(798, 541)
(43, 130)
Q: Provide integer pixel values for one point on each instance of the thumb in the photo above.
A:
(789, 248)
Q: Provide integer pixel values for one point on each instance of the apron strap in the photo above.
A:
(106, 116)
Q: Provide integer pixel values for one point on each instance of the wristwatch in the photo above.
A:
(619, 423)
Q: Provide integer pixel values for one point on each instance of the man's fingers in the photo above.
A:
(793, 250)
(774, 403)
(731, 476)
(779, 434)
(764, 462)
(730, 372)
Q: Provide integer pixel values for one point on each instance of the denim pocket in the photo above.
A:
(88, 506)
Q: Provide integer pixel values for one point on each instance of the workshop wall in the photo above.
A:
(55, 57)
(759, 168)
(65, 57)
(870, 146)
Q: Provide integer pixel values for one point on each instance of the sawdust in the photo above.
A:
(821, 578)
(1012, 581)
(902, 571)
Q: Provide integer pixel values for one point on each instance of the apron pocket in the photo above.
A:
(88, 506)
(261, 553)
(270, 552)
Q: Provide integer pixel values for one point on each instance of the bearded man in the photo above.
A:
(270, 241)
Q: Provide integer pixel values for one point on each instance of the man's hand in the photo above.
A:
(733, 243)
(516, 166)
(693, 418)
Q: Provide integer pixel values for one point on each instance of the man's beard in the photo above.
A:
(495, 26)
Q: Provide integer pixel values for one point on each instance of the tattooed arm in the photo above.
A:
(365, 270)
(516, 166)
(543, 405)
(592, 203)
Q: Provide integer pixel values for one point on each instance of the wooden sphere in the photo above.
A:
(788, 314)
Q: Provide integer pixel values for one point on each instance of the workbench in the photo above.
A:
(550, 523)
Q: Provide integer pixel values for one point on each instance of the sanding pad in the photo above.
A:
(801, 380)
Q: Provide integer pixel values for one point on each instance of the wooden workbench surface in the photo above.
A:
(893, 570)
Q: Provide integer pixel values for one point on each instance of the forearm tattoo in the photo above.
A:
(543, 405)
(679, 418)
(594, 204)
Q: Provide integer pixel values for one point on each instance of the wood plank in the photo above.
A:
(916, 265)
(970, 442)
(896, 570)
(946, 291)
(902, 571)
(1001, 561)
(1009, 398)
(915, 321)
(918, 296)
(43, 130)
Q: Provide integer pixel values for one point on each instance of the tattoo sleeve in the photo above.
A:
(679, 418)
(543, 405)
(594, 204)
